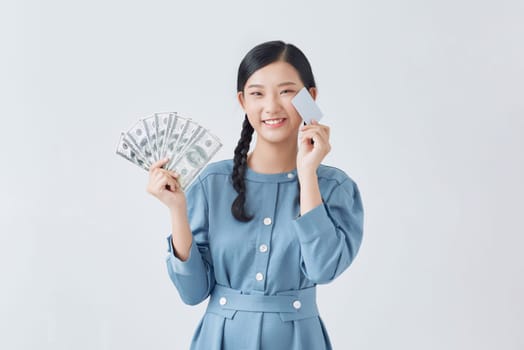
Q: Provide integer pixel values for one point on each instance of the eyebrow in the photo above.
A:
(281, 84)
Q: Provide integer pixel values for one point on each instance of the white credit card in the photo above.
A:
(306, 106)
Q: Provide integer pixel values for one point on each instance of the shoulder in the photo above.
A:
(334, 174)
(221, 167)
(213, 175)
(332, 178)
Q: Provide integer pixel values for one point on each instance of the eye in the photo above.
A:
(256, 93)
(287, 91)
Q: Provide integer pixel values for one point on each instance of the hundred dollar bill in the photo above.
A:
(150, 129)
(137, 135)
(134, 147)
(163, 123)
(125, 150)
(195, 157)
(189, 139)
(177, 129)
(191, 131)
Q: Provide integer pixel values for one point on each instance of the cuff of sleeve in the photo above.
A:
(312, 224)
(188, 266)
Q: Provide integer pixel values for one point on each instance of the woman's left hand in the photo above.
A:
(310, 155)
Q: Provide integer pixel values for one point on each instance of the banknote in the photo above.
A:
(125, 150)
(139, 152)
(191, 130)
(196, 155)
(163, 122)
(190, 138)
(176, 130)
(138, 137)
(150, 129)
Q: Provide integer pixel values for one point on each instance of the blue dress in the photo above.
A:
(260, 276)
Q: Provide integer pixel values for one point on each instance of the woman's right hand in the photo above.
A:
(163, 185)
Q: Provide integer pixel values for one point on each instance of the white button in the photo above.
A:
(259, 276)
(263, 248)
(290, 175)
(297, 304)
(223, 301)
(267, 221)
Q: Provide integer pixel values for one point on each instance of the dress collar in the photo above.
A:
(277, 177)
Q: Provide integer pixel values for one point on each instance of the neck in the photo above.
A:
(270, 158)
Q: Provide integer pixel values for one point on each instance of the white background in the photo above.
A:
(425, 101)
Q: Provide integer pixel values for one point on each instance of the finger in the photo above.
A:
(306, 140)
(313, 126)
(173, 174)
(161, 172)
(319, 139)
(158, 164)
(165, 183)
(315, 134)
(157, 175)
(158, 180)
(155, 186)
(171, 180)
(174, 185)
(311, 123)
(323, 129)
(171, 186)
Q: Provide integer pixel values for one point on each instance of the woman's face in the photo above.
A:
(266, 100)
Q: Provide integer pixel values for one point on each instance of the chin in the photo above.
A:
(274, 139)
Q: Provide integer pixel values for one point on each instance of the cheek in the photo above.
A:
(292, 113)
(251, 117)
(252, 106)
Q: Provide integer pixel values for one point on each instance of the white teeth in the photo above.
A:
(273, 121)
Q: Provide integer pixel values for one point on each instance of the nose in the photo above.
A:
(273, 105)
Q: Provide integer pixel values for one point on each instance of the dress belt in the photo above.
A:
(291, 305)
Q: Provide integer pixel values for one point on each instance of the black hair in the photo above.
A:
(258, 57)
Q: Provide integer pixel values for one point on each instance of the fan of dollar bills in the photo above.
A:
(188, 145)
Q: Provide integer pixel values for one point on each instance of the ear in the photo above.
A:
(313, 92)
(241, 101)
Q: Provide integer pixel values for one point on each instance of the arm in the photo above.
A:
(189, 261)
(182, 240)
(330, 233)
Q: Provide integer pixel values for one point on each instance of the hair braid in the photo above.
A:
(239, 170)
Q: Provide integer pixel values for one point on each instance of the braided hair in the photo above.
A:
(239, 170)
(258, 57)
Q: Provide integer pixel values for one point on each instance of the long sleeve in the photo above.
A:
(194, 277)
(330, 234)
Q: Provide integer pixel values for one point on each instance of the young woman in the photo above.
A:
(257, 233)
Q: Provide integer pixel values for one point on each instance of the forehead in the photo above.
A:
(274, 74)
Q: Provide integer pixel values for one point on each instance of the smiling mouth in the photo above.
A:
(273, 121)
